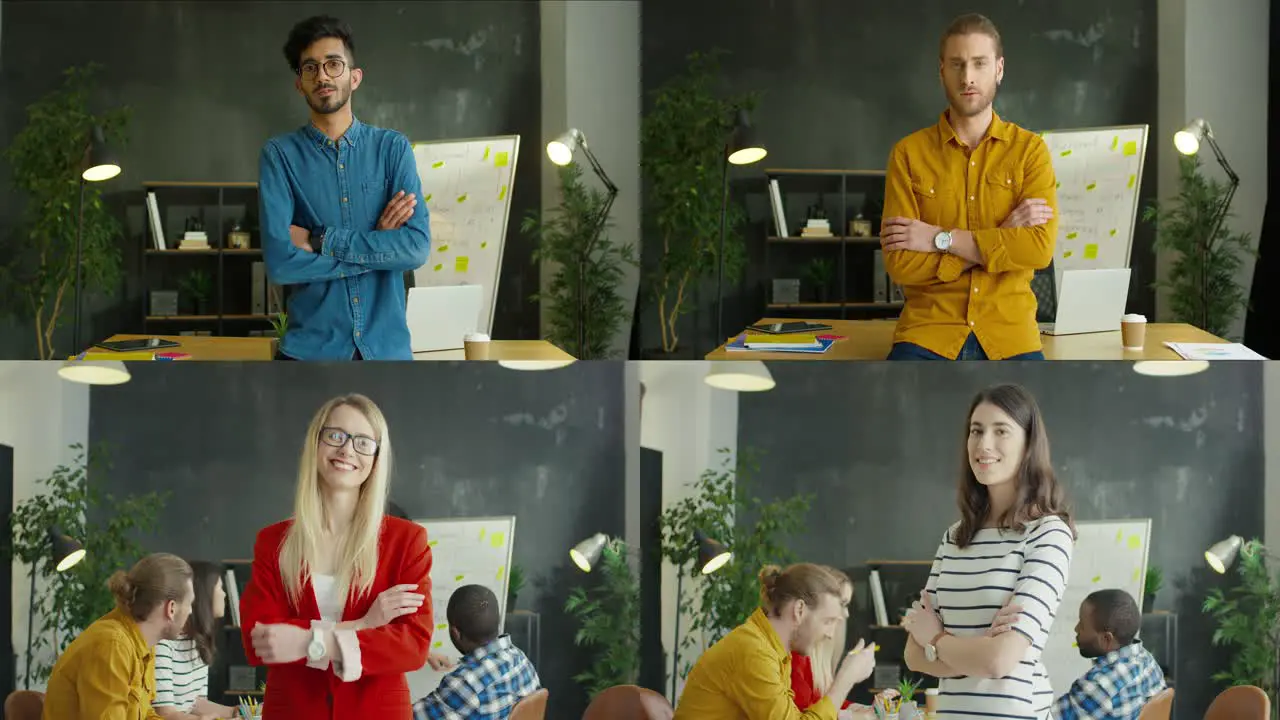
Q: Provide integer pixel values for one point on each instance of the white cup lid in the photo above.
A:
(1134, 318)
(476, 337)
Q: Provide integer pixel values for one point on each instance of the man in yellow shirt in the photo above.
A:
(969, 216)
(747, 675)
(108, 671)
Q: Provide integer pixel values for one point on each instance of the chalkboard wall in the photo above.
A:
(208, 84)
(470, 439)
(879, 445)
(840, 82)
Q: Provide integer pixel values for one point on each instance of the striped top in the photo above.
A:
(969, 586)
(181, 676)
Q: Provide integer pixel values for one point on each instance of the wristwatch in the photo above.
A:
(316, 648)
(931, 650)
(942, 241)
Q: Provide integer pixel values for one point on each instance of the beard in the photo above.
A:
(971, 106)
(331, 104)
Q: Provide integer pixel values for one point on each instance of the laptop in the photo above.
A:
(439, 317)
(1089, 301)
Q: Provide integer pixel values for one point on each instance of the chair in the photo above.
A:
(1242, 702)
(24, 705)
(1158, 707)
(531, 707)
(629, 702)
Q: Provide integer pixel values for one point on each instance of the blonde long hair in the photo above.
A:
(825, 653)
(357, 556)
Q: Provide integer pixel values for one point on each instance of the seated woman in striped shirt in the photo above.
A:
(1012, 545)
(182, 665)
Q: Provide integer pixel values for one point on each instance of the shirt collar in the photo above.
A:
(999, 130)
(1127, 652)
(131, 629)
(353, 135)
(760, 622)
(497, 646)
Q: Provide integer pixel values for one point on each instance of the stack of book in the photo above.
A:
(760, 342)
(816, 227)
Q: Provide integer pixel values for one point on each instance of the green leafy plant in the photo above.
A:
(587, 267)
(907, 687)
(722, 505)
(515, 583)
(1151, 585)
(46, 158)
(682, 156)
(198, 285)
(1248, 620)
(1202, 280)
(280, 323)
(73, 500)
(608, 616)
(819, 273)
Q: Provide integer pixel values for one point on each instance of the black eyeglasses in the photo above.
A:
(362, 444)
(333, 67)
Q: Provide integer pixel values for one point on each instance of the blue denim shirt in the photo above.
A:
(350, 296)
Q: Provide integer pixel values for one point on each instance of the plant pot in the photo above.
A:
(1148, 603)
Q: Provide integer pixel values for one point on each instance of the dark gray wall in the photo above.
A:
(842, 81)
(880, 446)
(470, 439)
(208, 85)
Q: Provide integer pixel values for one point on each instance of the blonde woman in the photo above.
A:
(336, 606)
(813, 673)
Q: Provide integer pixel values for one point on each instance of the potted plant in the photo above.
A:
(280, 324)
(582, 298)
(907, 691)
(37, 274)
(72, 498)
(1202, 285)
(819, 274)
(608, 616)
(1248, 620)
(682, 148)
(196, 291)
(1150, 586)
(727, 598)
(515, 583)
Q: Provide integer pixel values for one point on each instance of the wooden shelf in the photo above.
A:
(833, 240)
(825, 171)
(204, 318)
(199, 184)
(210, 251)
(900, 562)
(834, 305)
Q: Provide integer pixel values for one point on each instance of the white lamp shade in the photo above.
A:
(105, 372)
(1223, 553)
(1170, 368)
(535, 364)
(561, 150)
(740, 375)
(747, 156)
(586, 553)
(98, 173)
(1187, 140)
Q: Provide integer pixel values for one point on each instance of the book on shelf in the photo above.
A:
(759, 341)
(779, 212)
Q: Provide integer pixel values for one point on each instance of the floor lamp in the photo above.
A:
(1187, 141)
(712, 555)
(66, 553)
(560, 151)
(102, 166)
(742, 149)
(1221, 556)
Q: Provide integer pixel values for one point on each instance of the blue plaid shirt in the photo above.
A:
(1115, 688)
(485, 685)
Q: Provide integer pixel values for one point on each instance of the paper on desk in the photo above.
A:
(1213, 351)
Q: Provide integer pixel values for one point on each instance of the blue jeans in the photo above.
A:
(971, 350)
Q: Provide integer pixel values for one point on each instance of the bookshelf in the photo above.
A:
(173, 280)
(900, 584)
(225, 684)
(827, 277)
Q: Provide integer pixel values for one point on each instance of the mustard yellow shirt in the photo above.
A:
(934, 177)
(107, 673)
(746, 676)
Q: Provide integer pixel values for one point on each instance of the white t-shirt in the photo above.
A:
(969, 586)
(330, 606)
(181, 676)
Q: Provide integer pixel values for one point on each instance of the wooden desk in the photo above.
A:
(872, 339)
(203, 347)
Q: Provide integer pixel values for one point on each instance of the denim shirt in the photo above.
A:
(350, 296)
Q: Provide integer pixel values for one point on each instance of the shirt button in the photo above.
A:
(356, 300)
(970, 197)
(1007, 181)
(972, 164)
(970, 325)
(344, 199)
(357, 333)
(341, 166)
(975, 290)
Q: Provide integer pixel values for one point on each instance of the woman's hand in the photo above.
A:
(280, 644)
(858, 664)
(392, 603)
(1004, 620)
(922, 621)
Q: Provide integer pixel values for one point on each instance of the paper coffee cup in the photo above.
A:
(1133, 331)
(931, 700)
(476, 346)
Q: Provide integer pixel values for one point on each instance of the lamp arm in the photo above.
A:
(596, 168)
(1222, 159)
(611, 192)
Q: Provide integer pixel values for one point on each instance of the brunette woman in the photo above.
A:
(182, 665)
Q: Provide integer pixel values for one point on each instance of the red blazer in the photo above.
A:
(802, 682)
(386, 653)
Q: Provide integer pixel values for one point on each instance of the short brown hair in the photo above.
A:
(971, 24)
(802, 581)
(151, 582)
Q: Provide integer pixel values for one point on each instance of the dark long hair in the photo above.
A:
(201, 622)
(1038, 491)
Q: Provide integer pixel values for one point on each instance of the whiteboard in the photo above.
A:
(464, 551)
(1099, 173)
(466, 185)
(1109, 554)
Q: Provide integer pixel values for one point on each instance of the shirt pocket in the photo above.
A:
(1001, 188)
(376, 193)
(929, 192)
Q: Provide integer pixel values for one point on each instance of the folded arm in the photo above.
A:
(402, 645)
(908, 267)
(264, 600)
(914, 654)
(286, 263)
(404, 248)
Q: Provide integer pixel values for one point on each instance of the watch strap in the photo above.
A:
(317, 239)
(936, 638)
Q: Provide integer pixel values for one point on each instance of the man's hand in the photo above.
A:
(300, 237)
(398, 211)
(1004, 620)
(439, 662)
(1029, 213)
(900, 233)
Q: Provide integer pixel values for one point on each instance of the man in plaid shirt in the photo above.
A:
(492, 676)
(1124, 675)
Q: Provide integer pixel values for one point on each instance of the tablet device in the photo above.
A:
(788, 328)
(135, 345)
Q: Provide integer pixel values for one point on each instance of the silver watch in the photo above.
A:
(942, 241)
(316, 648)
(931, 652)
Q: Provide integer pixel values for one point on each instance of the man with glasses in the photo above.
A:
(339, 212)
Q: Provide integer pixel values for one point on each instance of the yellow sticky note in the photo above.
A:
(1091, 252)
(462, 197)
(484, 245)
(437, 164)
(427, 198)
(433, 543)
(1113, 232)
(1097, 579)
(458, 578)
(1091, 186)
(437, 267)
(1074, 644)
(1067, 254)
(437, 644)
(1132, 180)
(501, 569)
(486, 153)
(1131, 147)
(1136, 573)
(502, 194)
(501, 159)
(1072, 236)
(496, 539)
(442, 626)
(482, 533)
(1057, 185)
(460, 265)
(1135, 542)
(1065, 153)
(1119, 536)
(443, 248)
(1115, 140)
